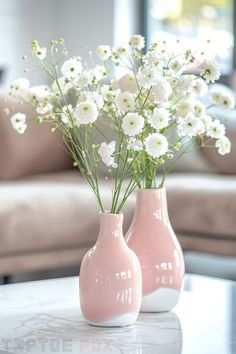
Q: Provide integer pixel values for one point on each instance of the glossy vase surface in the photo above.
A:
(153, 240)
(110, 278)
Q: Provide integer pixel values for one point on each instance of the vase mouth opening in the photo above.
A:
(151, 189)
(107, 212)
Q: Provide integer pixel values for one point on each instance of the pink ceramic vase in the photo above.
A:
(110, 278)
(153, 240)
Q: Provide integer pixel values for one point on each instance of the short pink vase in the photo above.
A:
(110, 278)
(153, 240)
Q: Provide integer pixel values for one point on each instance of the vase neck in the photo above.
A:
(152, 202)
(110, 228)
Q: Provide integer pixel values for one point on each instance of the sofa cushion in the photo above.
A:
(203, 204)
(38, 150)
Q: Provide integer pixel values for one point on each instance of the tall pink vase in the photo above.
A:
(153, 240)
(110, 278)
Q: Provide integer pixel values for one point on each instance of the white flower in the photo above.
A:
(99, 72)
(19, 88)
(210, 70)
(156, 145)
(67, 115)
(125, 101)
(64, 84)
(222, 99)
(183, 84)
(92, 96)
(104, 52)
(177, 66)
(228, 101)
(40, 52)
(184, 107)
(223, 145)
(128, 83)
(83, 79)
(86, 112)
(44, 108)
(216, 129)
(161, 90)
(200, 87)
(207, 121)
(119, 51)
(39, 93)
(199, 109)
(137, 42)
(71, 68)
(106, 151)
(134, 144)
(146, 76)
(108, 93)
(160, 118)
(216, 97)
(152, 58)
(18, 121)
(190, 126)
(133, 124)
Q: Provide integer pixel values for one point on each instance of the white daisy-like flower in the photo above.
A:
(39, 93)
(19, 88)
(216, 129)
(86, 112)
(156, 145)
(216, 97)
(210, 70)
(223, 145)
(67, 115)
(98, 73)
(177, 66)
(18, 121)
(223, 99)
(104, 52)
(207, 121)
(146, 76)
(199, 109)
(134, 144)
(183, 84)
(161, 90)
(44, 108)
(106, 151)
(137, 42)
(92, 96)
(119, 51)
(228, 101)
(40, 52)
(160, 118)
(71, 68)
(125, 101)
(108, 93)
(152, 59)
(128, 83)
(132, 124)
(184, 107)
(200, 87)
(190, 126)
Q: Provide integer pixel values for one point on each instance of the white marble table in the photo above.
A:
(44, 317)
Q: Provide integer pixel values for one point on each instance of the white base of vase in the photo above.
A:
(161, 300)
(118, 321)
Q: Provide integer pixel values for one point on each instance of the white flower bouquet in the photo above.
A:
(152, 106)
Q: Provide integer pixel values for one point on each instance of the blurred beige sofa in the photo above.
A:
(49, 218)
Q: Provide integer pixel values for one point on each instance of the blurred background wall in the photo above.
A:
(84, 24)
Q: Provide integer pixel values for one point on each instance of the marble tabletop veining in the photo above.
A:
(45, 317)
